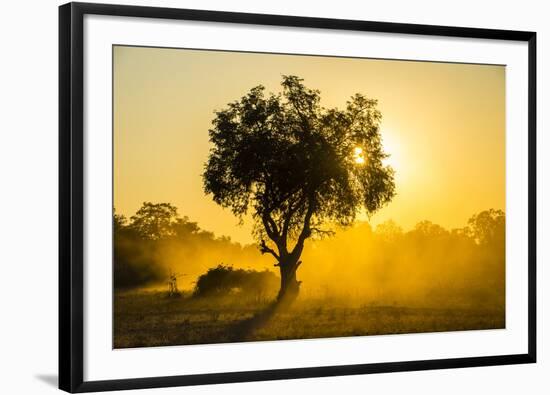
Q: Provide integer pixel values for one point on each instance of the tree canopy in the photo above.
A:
(155, 221)
(488, 226)
(289, 159)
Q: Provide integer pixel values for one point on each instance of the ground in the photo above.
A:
(149, 319)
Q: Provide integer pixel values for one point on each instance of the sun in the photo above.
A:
(358, 157)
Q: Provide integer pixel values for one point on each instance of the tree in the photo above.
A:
(389, 231)
(119, 222)
(297, 167)
(487, 227)
(427, 229)
(134, 256)
(154, 221)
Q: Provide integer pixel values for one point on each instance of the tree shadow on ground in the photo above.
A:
(242, 330)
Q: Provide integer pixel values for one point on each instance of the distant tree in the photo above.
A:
(487, 227)
(134, 261)
(389, 231)
(297, 167)
(154, 221)
(182, 227)
(429, 229)
(119, 222)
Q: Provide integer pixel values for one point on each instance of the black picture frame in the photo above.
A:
(71, 204)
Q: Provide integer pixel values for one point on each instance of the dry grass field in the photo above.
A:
(148, 319)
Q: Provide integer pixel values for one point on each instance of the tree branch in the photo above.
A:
(264, 249)
(292, 210)
(273, 225)
(303, 118)
(322, 231)
(285, 197)
(306, 229)
(270, 227)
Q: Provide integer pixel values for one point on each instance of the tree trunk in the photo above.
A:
(290, 287)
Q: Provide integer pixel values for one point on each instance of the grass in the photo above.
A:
(146, 319)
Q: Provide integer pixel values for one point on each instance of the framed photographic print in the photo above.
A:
(253, 197)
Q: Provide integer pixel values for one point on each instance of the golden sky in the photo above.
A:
(443, 124)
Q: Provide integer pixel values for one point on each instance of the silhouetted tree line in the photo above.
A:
(386, 263)
(154, 231)
(427, 265)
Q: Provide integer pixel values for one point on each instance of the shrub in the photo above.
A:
(224, 280)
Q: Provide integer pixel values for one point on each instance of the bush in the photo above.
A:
(223, 280)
